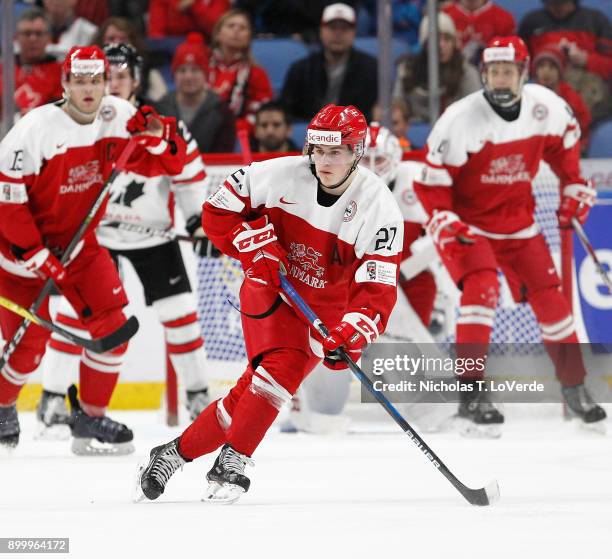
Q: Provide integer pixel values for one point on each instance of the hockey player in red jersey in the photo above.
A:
(336, 231)
(145, 201)
(483, 154)
(53, 164)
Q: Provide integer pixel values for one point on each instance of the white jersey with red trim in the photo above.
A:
(52, 170)
(404, 194)
(343, 258)
(150, 201)
(481, 166)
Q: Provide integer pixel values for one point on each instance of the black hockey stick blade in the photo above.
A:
(481, 497)
(114, 339)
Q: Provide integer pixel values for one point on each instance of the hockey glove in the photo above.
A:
(576, 201)
(42, 262)
(153, 131)
(203, 246)
(259, 251)
(354, 332)
(450, 235)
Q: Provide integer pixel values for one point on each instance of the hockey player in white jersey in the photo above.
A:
(336, 231)
(482, 156)
(318, 404)
(149, 202)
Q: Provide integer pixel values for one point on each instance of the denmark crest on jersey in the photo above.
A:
(350, 211)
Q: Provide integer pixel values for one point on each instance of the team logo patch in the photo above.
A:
(409, 197)
(540, 112)
(507, 169)
(350, 211)
(107, 113)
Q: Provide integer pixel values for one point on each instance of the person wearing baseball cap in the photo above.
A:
(338, 74)
(207, 117)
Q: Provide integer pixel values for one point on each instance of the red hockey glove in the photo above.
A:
(449, 233)
(44, 264)
(354, 332)
(259, 251)
(153, 131)
(576, 201)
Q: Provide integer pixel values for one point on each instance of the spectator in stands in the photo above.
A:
(477, 22)
(337, 74)
(400, 121)
(132, 10)
(67, 30)
(586, 37)
(120, 30)
(179, 17)
(208, 118)
(458, 77)
(232, 72)
(96, 11)
(548, 66)
(37, 74)
(272, 130)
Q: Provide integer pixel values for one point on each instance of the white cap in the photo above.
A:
(339, 11)
(445, 25)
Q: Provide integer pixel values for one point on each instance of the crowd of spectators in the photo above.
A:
(215, 85)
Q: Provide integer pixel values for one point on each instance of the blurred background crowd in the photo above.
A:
(266, 66)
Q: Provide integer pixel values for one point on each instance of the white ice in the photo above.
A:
(360, 495)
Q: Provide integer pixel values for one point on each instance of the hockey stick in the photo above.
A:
(48, 285)
(481, 497)
(169, 234)
(588, 247)
(97, 345)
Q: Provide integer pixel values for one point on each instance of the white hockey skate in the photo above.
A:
(52, 417)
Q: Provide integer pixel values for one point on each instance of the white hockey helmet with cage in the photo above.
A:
(383, 152)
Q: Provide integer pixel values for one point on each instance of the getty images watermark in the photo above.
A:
(509, 373)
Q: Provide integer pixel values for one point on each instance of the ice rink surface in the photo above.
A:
(367, 494)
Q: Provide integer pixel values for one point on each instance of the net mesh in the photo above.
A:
(219, 281)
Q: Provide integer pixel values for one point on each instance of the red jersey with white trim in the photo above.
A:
(150, 201)
(343, 258)
(52, 169)
(481, 166)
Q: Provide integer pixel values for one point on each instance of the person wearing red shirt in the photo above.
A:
(477, 22)
(548, 66)
(37, 74)
(232, 72)
(179, 17)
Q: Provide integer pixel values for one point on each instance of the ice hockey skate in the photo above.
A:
(152, 478)
(9, 428)
(226, 479)
(477, 416)
(52, 417)
(197, 400)
(97, 436)
(581, 405)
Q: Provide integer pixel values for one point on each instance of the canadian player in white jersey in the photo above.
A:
(317, 406)
(482, 156)
(146, 201)
(336, 231)
(53, 164)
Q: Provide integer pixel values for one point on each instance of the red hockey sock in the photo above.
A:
(10, 386)
(204, 435)
(421, 293)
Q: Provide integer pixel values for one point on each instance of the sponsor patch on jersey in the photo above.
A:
(225, 199)
(350, 211)
(107, 113)
(375, 271)
(13, 193)
(540, 112)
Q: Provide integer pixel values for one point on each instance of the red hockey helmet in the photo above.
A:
(505, 49)
(89, 60)
(336, 125)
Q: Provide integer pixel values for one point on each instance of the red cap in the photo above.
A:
(551, 52)
(192, 51)
(336, 125)
(89, 60)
